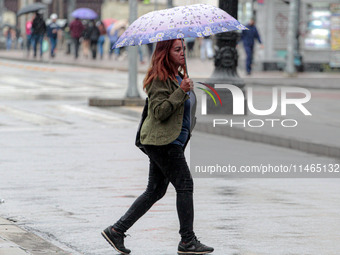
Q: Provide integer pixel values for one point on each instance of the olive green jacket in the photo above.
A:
(165, 113)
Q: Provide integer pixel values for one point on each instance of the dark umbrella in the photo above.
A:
(31, 8)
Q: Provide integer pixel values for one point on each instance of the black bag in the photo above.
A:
(144, 115)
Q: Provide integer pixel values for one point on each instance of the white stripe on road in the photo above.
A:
(30, 117)
(96, 115)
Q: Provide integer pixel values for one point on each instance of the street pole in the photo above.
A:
(297, 37)
(292, 29)
(132, 91)
(170, 5)
(2, 38)
(226, 60)
(71, 6)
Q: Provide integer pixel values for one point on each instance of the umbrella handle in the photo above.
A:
(185, 59)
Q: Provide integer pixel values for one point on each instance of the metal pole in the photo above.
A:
(2, 38)
(132, 90)
(290, 67)
(170, 5)
(22, 19)
(297, 37)
(71, 6)
(226, 57)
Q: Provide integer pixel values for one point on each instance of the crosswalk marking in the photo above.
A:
(96, 115)
(28, 67)
(30, 117)
(57, 115)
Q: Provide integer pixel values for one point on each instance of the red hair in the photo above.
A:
(161, 66)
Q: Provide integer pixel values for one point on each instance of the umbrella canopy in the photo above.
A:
(197, 20)
(31, 8)
(107, 22)
(119, 24)
(84, 13)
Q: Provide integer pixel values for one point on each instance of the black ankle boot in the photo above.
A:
(115, 239)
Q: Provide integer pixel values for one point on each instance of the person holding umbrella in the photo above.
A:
(165, 134)
(170, 119)
(28, 27)
(38, 31)
(93, 34)
(76, 28)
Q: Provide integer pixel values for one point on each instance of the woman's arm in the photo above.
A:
(163, 103)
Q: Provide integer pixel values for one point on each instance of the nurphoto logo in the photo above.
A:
(238, 103)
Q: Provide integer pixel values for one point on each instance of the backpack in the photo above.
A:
(94, 35)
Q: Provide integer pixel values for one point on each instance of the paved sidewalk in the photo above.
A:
(16, 241)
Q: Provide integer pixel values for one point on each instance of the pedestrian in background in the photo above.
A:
(190, 45)
(18, 39)
(206, 48)
(76, 28)
(248, 38)
(67, 38)
(150, 50)
(86, 39)
(164, 136)
(101, 39)
(38, 32)
(52, 33)
(9, 38)
(113, 37)
(29, 35)
(93, 33)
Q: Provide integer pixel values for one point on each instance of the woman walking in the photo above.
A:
(101, 39)
(164, 135)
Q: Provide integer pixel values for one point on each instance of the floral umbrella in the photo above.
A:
(197, 20)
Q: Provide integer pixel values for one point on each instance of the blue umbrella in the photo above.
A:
(84, 13)
(198, 20)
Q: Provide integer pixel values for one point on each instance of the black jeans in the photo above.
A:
(93, 45)
(76, 42)
(167, 164)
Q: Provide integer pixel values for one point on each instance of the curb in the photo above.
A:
(16, 241)
(286, 142)
(122, 69)
(108, 102)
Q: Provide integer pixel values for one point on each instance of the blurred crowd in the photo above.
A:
(89, 38)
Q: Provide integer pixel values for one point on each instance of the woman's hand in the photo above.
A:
(187, 84)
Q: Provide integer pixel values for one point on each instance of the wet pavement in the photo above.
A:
(69, 170)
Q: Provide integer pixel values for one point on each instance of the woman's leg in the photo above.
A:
(41, 39)
(171, 160)
(156, 189)
(101, 44)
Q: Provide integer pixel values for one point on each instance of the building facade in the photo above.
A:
(318, 33)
